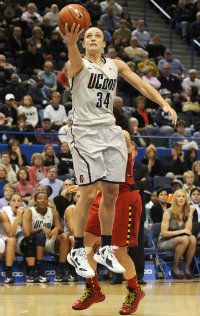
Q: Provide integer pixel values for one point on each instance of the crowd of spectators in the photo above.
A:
(35, 103)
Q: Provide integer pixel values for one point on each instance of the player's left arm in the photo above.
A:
(56, 223)
(144, 88)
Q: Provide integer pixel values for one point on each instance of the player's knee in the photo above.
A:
(110, 195)
(11, 241)
(28, 247)
(2, 246)
(40, 239)
(64, 237)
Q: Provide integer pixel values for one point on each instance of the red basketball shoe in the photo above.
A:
(131, 301)
(91, 296)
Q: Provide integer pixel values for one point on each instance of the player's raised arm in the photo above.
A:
(75, 62)
(146, 89)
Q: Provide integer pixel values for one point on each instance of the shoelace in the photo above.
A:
(86, 295)
(82, 256)
(130, 298)
(110, 252)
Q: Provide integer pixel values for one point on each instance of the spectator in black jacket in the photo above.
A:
(175, 162)
(40, 93)
(182, 19)
(152, 162)
(15, 87)
(168, 80)
(65, 165)
(155, 49)
(17, 43)
(10, 108)
(31, 61)
(160, 206)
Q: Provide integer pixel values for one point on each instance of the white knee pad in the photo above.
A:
(2, 246)
(88, 250)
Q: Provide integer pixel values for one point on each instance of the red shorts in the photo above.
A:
(126, 224)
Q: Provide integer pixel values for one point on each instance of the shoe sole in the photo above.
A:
(81, 309)
(134, 309)
(98, 260)
(77, 271)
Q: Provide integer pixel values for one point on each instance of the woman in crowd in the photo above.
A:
(188, 178)
(8, 190)
(176, 233)
(37, 171)
(151, 160)
(3, 179)
(29, 110)
(11, 169)
(160, 206)
(65, 165)
(16, 156)
(190, 157)
(22, 186)
(49, 156)
(49, 76)
(196, 170)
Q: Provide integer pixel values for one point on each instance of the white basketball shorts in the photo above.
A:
(99, 153)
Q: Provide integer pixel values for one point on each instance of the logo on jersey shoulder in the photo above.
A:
(81, 178)
(97, 81)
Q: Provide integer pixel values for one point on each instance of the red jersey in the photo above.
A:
(129, 175)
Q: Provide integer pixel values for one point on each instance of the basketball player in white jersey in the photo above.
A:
(97, 144)
(44, 224)
(11, 233)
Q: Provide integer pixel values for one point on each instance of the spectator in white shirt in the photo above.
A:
(56, 111)
(191, 80)
(31, 16)
(52, 181)
(117, 8)
(142, 35)
(29, 110)
(53, 15)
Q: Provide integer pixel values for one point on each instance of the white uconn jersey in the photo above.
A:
(11, 216)
(93, 93)
(39, 220)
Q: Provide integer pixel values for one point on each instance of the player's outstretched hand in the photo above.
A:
(70, 189)
(73, 35)
(167, 108)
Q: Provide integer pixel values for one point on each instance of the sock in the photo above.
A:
(106, 240)
(30, 270)
(92, 282)
(8, 271)
(61, 267)
(39, 266)
(133, 283)
(78, 242)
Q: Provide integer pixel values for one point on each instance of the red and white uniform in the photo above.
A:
(128, 210)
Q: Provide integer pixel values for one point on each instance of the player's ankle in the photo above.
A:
(79, 242)
(106, 240)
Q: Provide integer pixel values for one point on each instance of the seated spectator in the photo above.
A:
(5, 125)
(155, 49)
(65, 165)
(195, 201)
(164, 121)
(122, 33)
(31, 17)
(196, 135)
(148, 207)
(105, 5)
(17, 43)
(40, 93)
(37, 37)
(29, 110)
(16, 156)
(138, 133)
(45, 134)
(106, 33)
(49, 76)
(196, 171)
(10, 108)
(188, 178)
(5, 65)
(127, 16)
(57, 49)
(127, 91)
(134, 51)
(110, 19)
(180, 137)
(147, 63)
(23, 126)
(49, 156)
(5, 72)
(191, 106)
(11, 169)
(62, 79)
(23, 187)
(161, 205)
(175, 161)
(175, 65)
(56, 111)
(53, 15)
(15, 87)
(37, 170)
(182, 19)
(62, 133)
(194, 9)
(168, 80)
(144, 118)
(152, 162)
(148, 77)
(31, 61)
(4, 44)
(63, 201)
(94, 9)
(190, 157)
(47, 29)
(195, 28)
(8, 190)
(52, 181)
(176, 234)
(191, 80)
(3, 179)
(142, 35)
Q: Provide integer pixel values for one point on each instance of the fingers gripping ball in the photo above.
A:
(73, 13)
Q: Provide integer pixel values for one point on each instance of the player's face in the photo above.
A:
(42, 201)
(15, 202)
(94, 39)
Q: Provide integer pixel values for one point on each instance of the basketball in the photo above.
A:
(73, 13)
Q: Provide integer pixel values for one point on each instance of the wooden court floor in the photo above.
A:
(174, 298)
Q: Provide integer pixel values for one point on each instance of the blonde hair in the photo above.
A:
(151, 147)
(36, 155)
(194, 170)
(175, 205)
(4, 168)
(188, 173)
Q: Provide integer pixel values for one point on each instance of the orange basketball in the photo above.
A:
(73, 13)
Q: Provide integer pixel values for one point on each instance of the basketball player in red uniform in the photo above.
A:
(124, 234)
